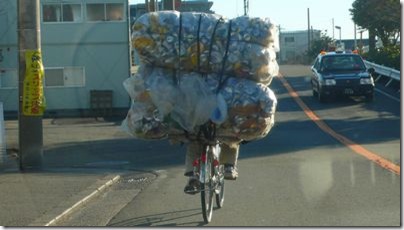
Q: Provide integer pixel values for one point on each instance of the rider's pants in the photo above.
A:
(229, 154)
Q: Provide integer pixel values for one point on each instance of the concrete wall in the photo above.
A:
(100, 48)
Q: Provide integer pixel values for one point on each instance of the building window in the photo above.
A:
(105, 12)
(54, 77)
(289, 39)
(61, 12)
(95, 12)
(65, 77)
(114, 12)
(9, 78)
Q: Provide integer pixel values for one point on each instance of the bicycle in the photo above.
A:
(210, 172)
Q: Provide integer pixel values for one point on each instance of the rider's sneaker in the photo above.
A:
(230, 172)
(192, 186)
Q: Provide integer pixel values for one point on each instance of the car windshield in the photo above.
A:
(342, 63)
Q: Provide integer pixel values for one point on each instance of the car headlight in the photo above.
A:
(330, 82)
(366, 81)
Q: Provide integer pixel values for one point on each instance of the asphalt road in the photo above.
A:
(299, 175)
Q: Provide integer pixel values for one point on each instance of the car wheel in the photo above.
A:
(315, 94)
(321, 96)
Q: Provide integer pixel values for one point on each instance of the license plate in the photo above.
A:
(348, 91)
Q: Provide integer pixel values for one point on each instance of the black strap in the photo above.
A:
(177, 73)
(207, 67)
(211, 41)
(221, 80)
(198, 49)
(179, 39)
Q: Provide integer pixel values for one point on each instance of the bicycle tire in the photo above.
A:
(220, 190)
(207, 187)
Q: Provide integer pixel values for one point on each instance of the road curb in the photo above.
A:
(106, 182)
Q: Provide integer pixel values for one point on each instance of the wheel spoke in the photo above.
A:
(212, 184)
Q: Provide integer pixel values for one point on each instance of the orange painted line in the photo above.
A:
(350, 144)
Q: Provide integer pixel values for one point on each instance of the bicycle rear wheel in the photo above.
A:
(220, 187)
(207, 191)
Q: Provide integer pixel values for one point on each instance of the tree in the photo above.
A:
(380, 17)
(324, 43)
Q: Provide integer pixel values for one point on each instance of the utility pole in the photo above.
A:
(169, 5)
(308, 29)
(29, 126)
(311, 33)
(246, 7)
(280, 42)
(151, 5)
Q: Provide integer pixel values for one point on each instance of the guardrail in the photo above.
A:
(384, 71)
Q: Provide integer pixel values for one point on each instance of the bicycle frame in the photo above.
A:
(215, 151)
(211, 178)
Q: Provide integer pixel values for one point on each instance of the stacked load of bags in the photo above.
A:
(196, 67)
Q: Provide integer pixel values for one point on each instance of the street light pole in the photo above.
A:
(339, 28)
(360, 46)
(355, 43)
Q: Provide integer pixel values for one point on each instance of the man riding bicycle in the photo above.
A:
(228, 157)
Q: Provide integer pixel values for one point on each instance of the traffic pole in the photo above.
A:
(29, 125)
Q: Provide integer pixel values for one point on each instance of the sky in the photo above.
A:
(292, 14)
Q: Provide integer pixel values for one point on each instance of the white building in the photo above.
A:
(85, 48)
(294, 45)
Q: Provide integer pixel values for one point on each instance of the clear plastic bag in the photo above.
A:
(241, 108)
(197, 67)
(163, 92)
(196, 103)
(141, 122)
(171, 40)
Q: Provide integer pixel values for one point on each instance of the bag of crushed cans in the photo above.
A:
(161, 108)
(207, 43)
(197, 67)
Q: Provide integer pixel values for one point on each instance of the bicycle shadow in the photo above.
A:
(167, 219)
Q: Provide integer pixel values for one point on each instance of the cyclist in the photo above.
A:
(228, 157)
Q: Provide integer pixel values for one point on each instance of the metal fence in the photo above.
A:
(392, 74)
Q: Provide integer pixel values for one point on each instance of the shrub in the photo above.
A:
(388, 56)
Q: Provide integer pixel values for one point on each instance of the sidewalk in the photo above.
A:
(40, 198)
(65, 183)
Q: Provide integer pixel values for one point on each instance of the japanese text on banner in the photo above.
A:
(33, 102)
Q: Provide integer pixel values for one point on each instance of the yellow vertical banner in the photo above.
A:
(33, 101)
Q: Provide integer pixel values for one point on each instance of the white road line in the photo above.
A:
(84, 200)
(387, 95)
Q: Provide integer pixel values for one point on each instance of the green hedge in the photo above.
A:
(388, 56)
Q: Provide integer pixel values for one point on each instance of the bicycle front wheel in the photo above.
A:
(207, 191)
